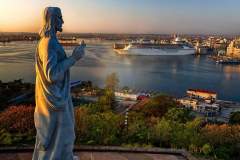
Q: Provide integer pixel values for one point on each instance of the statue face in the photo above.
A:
(59, 21)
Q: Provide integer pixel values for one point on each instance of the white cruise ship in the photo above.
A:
(148, 47)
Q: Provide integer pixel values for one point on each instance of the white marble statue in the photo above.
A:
(54, 116)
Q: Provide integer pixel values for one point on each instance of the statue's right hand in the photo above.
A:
(78, 52)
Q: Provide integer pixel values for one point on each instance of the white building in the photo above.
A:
(233, 50)
(202, 94)
(126, 95)
(200, 106)
(189, 103)
(208, 108)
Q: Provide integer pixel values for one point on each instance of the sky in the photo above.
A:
(126, 16)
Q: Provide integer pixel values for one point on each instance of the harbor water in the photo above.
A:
(167, 74)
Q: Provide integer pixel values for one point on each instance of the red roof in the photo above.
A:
(202, 90)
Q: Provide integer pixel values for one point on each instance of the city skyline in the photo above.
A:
(109, 16)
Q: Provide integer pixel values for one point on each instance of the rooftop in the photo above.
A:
(202, 91)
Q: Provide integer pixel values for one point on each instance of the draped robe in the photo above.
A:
(53, 116)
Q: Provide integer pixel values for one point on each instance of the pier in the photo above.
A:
(225, 60)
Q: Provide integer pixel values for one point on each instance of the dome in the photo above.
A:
(178, 39)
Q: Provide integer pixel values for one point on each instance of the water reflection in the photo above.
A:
(170, 74)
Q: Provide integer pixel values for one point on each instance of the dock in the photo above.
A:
(228, 61)
(225, 60)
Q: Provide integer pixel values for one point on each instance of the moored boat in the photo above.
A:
(148, 47)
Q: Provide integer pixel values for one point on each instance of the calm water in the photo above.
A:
(168, 74)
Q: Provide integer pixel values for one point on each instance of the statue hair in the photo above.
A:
(49, 18)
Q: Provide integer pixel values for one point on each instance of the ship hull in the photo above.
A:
(155, 52)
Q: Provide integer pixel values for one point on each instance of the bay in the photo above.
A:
(167, 74)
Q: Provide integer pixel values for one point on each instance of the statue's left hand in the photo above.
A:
(78, 52)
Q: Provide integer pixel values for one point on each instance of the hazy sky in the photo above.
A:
(126, 16)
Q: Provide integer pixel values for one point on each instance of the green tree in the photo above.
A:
(234, 118)
(112, 81)
(181, 115)
(161, 133)
(125, 89)
(81, 122)
(106, 101)
(104, 129)
(186, 135)
(158, 106)
(207, 149)
(224, 152)
(138, 131)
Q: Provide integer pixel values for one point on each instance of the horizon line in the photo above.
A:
(131, 33)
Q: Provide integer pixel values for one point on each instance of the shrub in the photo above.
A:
(235, 118)
(81, 122)
(98, 128)
(138, 131)
(206, 149)
(5, 137)
(161, 133)
(178, 114)
(18, 119)
(224, 152)
(158, 106)
(105, 128)
(224, 138)
(223, 134)
(17, 125)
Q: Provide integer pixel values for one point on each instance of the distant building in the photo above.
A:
(126, 95)
(208, 108)
(202, 94)
(68, 41)
(189, 103)
(201, 101)
(233, 50)
(204, 107)
(220, 45)
(131, 95)
(200, 49)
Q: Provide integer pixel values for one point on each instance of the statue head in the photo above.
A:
(52, 22)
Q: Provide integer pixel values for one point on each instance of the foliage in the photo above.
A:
(161, 133)
(10, 90)
(234, 118)
(218, 135)
(18, 119)
(137, 128)
(158, 106)
(16, 125)
(107, 99)
(104, 128)
(96, 124)
(224, 138)
(223, 152)
(181, 115)
(112, 81)
(81, 121)
(125, 88)
(5, 137)
(207, 149)
(99, 128)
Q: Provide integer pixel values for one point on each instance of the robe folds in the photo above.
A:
(53, 116)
